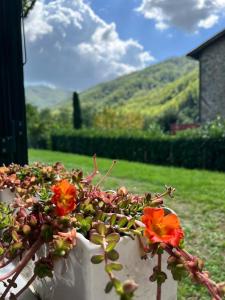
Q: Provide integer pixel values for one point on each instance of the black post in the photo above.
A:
(77, 119)
(13, 136)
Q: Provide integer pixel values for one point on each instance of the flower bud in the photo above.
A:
(129, 286)
(171, 260)
(153, 277)
(161, 277)
(122, 191)
(33, 220)
(15, 236)
(200, 264)
(26, 229)
(16, 246)
(33, 179)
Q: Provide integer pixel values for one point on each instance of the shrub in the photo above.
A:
(197, 152)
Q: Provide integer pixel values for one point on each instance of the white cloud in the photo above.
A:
(189, 15)
(208, 22)
(36, 26)
(70, 46)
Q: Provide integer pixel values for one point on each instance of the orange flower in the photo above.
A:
(161, 228)
(64, 197)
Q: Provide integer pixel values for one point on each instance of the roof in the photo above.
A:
(197, 51)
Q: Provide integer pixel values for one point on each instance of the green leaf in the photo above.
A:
(1, 251)
(113, 237)
(111, 245)
(88, 208)
(138, 230)
(131, 223)
(113, 267)
(178, 272)
(113, 255)
(113, 220)
(79, 217)
(108, 287)
(85, 224)
(101, 228)
(122, 222)
(118, 285)
(43, 270)
(97, 259)
(96, 239)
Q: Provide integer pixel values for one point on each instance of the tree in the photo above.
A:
(27, 6)
(77, 119)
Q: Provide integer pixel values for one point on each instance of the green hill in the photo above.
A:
(165, 92)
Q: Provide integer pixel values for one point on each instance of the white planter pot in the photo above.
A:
(82, 280)
(78, 279)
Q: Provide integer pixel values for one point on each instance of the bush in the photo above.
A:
(197, 152)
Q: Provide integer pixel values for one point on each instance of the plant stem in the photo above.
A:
(159, 284)
(197, 274)
(16, 271)
(107, 174)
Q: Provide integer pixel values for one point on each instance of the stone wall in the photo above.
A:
(212, 83)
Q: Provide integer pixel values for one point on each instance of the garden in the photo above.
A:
(115, 192)
(105, 202)
(199, 200)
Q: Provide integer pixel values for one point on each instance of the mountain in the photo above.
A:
(164, 92)
(126, 87)
(46, 97)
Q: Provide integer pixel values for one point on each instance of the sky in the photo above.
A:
(76, 44)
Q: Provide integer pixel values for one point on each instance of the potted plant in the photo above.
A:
(69, 231)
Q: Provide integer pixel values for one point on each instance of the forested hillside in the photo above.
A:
(165, 92)
(162, 93)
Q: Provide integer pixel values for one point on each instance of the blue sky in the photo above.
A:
(162, 44)
(75, 44)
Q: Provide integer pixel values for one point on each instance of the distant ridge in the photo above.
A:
(46, 97)
(161, 91)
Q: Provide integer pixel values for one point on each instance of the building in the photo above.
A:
(211, 56)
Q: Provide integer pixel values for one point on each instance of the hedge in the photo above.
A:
(173, 151)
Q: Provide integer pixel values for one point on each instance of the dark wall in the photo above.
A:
(13, 139)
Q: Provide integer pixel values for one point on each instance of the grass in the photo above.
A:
(199, 201)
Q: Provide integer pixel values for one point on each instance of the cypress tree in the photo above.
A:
(77, 119)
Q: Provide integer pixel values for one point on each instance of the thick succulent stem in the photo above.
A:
(159, 284)
(191, 266)
(16, 271)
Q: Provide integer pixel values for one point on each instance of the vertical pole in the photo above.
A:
(13, 136)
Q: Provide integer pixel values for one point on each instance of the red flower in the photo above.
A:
(161, 228)
(64, 197)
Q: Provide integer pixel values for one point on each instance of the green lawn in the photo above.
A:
(199, 201)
